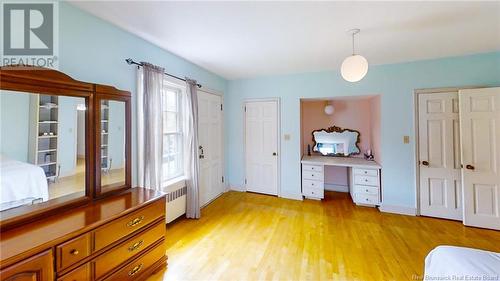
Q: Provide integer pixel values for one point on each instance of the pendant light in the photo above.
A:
(354, 67)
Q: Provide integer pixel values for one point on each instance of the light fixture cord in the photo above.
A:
(353, 53)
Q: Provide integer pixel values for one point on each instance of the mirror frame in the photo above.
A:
(335, 129)
(38, 80)
(110, 93)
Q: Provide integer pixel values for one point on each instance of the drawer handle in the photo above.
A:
(74, 252)
(367, 190)
(366, 172)
(135, 246)
(366, 180)
(135, 221)
(367, 199)
(312, 184)
(135, 270)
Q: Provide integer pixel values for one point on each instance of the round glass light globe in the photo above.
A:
(329, 109)
(354, 68)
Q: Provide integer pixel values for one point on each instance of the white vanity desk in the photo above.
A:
(364, 178)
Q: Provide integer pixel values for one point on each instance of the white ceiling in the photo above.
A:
(248, 39)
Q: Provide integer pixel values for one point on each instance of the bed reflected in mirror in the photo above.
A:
(42, 148)
(112, 144)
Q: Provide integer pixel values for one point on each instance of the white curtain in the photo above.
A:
(191, 153)
(149, 125)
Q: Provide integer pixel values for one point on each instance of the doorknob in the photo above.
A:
(274, 154)
(470, 167)
(425, 163)
(202, 155)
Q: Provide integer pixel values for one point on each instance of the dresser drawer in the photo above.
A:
(366, 180)
(365, 189)
(73, 251)
(366, 199)
(310, 175)
(366, 172)
(134, 269)
(313, 192)
(81, 273)
(135, 245)
(313, 168)
(122, 227)
(312, 184)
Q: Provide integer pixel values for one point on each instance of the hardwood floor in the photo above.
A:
(245, 236)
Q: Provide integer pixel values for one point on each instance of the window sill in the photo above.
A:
(173, 184)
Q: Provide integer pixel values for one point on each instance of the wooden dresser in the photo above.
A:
(121, 237)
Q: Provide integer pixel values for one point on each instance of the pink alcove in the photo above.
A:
(356, 113)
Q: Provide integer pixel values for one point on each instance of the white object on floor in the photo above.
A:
(458, 263)
(19, 180)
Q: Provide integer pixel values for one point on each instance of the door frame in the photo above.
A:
(223, 157)
(416, 94)
(278, 134)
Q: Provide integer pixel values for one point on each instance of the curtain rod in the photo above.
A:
(131, 61)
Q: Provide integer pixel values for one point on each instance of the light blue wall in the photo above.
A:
(14, 125)
(116, 136)
(67, 131)
(395, 83)
(95, 51)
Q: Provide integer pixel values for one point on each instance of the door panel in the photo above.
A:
(261, 144)
(480, 134)
(210, 140)
(439, 146)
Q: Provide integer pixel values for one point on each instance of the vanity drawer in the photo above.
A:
(313, 168)
(366, 172)
(310, 175)
(313, 192)
(134, 269)
(73, 251)
(125, 251)
(366, 180)
(367, 199)
(312, 184)
(82, 273)
(365, 189)
(122, 227)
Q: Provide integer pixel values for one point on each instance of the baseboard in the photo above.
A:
(336, 187)
(292, 196)
(402, 210)
(237, 188)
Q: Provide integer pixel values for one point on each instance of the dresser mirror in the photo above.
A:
(335, 141)
(42, 148)
(112, 144)
(113, 140)
(52, 141)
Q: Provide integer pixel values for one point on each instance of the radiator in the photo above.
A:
(176, 204)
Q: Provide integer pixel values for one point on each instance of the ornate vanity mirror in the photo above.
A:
(45, 142)
(336, 141)
(113, 138)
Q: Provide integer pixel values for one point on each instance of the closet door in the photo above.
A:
(261, 147)
(480, 135)
(210, 141)
(439, 149)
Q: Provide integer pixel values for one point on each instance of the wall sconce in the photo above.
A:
(329, 109)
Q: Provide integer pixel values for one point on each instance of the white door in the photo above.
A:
(210, 149)
(439, 148)
(480, 137)
(261, 146)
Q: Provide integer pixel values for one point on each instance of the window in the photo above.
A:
(172, 133)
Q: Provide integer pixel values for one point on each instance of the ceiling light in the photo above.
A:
(354, 67)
